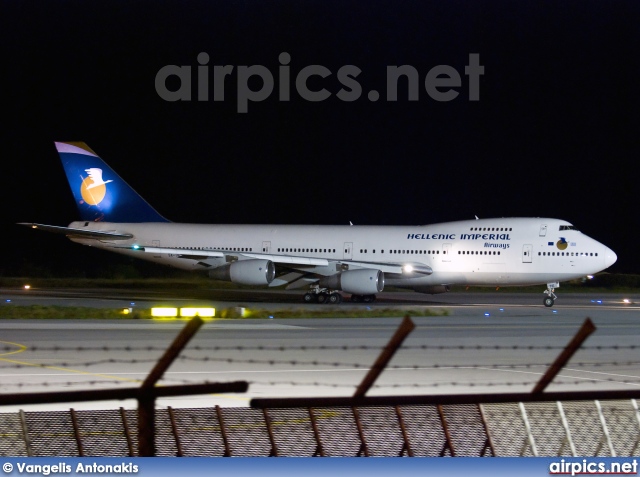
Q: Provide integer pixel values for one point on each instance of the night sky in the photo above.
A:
(554, 134)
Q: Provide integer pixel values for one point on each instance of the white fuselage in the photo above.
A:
(505, 251)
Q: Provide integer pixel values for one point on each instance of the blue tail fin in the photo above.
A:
(100, 193)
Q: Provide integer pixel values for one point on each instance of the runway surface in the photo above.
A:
(490, 342)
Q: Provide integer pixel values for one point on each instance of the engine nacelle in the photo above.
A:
(246, 272)
(433, 289)
(357, 282)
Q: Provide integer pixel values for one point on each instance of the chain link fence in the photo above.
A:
(578, 428)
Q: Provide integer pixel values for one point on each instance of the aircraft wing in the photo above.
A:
(199, 254)
(71, 232)
(287, 261)
(300, 270)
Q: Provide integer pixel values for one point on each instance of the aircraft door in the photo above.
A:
(527, 251)
(266, 247)
(446, 252)
(348, 251)
(543, 230)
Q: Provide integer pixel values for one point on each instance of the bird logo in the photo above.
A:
(562, 244)
(93, 187)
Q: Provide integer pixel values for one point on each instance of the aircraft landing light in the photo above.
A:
(626, 300)
(27, 287)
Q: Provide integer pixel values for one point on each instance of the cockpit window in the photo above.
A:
(568, 227)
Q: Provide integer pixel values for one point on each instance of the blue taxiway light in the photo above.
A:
(501, 309)
(487, 314)
(554, 311)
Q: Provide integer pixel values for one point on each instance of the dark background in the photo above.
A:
(555, 133)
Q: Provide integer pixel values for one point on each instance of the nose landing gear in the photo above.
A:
(550, 299)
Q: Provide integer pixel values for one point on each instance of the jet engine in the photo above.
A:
(433, 289)
(357, 282)
(246, 272)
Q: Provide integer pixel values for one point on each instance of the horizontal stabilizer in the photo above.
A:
(71, 232)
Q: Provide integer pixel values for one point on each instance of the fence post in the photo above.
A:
(363, 443)
(314, 425)
(567, 439)
(529, 440)
(445, 428)
(634, 405)
(406, 446)
(127, 432)
(488, 443)
(583, 333)
(605, 432)
(25, 433)
(76, 432)
(174, 428)
(223, 433)
(147, 400)
(385, 356)
(267, 421)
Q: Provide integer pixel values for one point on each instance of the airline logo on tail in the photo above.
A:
(100, 194)
(93, 188)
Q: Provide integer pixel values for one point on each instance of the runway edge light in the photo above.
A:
(164, 312)
(201, 312)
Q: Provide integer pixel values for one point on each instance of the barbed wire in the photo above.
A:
(315, 363)
(32, 349)
(58, 385)
(469, 384)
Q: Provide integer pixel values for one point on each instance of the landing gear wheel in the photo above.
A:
(369, 298)
(309, 298)
(356, 298)
(322, 297)
(550, 299)
(335, 298)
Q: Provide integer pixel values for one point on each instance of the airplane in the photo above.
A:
(359, 260)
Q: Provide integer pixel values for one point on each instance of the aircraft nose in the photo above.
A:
(610, 257)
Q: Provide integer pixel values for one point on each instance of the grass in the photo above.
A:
(71, 312)
(602, 283)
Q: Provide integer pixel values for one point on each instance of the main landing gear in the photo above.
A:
(322, 295)
(550, 299)
(326, 295)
